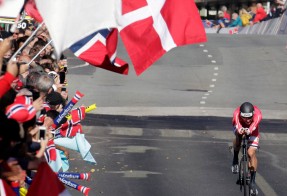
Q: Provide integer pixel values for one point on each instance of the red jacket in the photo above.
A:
(260, 15)
(238, 123)
(5, 83)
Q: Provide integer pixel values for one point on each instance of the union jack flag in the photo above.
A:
(99, 50)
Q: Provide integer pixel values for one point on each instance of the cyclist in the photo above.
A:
(246, 119)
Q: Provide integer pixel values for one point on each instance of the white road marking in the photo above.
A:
(79, 66)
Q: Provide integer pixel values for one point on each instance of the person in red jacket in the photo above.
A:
(260, 14)
(225, 12)
(12, 70)
(246, 119)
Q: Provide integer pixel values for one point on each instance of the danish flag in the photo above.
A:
(151, 28)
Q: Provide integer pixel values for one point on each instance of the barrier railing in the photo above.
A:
(273, 26)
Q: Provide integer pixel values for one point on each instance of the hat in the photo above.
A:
(54, 98)
(20, 112)
(25, 100)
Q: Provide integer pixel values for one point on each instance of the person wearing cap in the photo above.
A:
(23, 108)
(54, 101)
(246, 119)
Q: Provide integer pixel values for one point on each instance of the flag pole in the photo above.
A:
(39, 52)
(25, 43)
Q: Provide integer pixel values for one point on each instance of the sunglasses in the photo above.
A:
(247, 118)
(53, 75)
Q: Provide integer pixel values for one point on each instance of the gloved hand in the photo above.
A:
(247, 131)
(241, 131)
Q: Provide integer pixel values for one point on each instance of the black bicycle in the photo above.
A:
(244, 172)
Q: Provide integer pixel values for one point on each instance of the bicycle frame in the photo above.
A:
(244, 172)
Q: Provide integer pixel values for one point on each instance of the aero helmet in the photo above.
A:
(246, 110)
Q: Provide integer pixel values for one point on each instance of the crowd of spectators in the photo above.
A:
(246, 16)
(33, 91)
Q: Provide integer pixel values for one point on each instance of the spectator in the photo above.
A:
(260, 14)
(245, 17)
(225, 12)
(280, 8)
(222, 21)
(45, 85)
(18, 135)
(236, 21)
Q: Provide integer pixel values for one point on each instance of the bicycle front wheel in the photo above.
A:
(244, 172)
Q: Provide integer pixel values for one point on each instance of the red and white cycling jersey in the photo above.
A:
(238, 123)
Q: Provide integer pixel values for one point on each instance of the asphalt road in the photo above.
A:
(168, 131)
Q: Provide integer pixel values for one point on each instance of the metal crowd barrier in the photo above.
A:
(270, 27)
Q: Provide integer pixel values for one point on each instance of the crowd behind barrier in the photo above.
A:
(34, 104)
(273, 23)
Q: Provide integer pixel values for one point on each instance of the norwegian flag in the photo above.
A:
(151, 28)
(73, 126)
(50, 152)
(99, 49)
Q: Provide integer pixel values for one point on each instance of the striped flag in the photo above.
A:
(148, 29)
(100, 49)
(50, 152)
